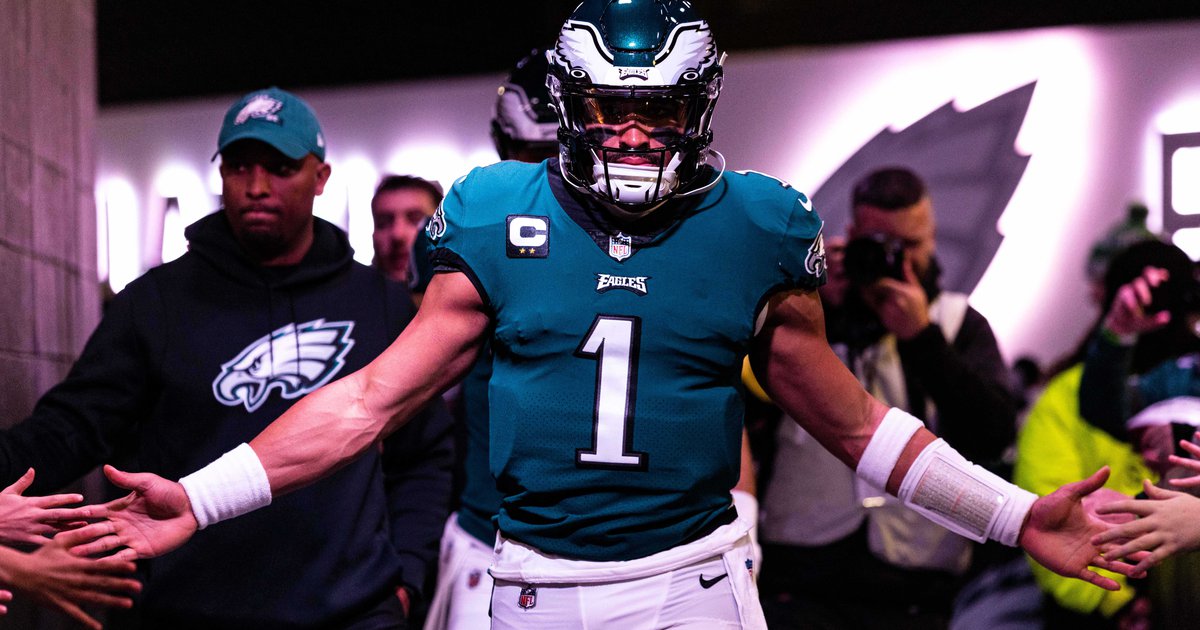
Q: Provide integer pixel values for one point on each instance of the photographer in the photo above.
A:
(951, 372)
(918, 348)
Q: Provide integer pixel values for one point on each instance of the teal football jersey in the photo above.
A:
(616, 405)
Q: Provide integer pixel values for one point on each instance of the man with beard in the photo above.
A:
(920, 349)
(202, 353)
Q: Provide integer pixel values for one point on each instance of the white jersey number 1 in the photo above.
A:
(613, 342)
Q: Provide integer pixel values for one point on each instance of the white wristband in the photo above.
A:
(963, 497)
(232, 485)
(885, 447)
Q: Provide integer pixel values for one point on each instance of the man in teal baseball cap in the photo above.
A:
(276, 117)
(206, 350)
(272, 168)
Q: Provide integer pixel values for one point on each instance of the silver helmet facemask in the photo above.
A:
(633, 147)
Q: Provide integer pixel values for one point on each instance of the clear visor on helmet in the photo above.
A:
(663, 116)
(632, 126)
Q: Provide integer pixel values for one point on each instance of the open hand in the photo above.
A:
(1191, 463)
(54, 577)
(156, 517)
(30, 520)
(1059, 532)
(1169, 522)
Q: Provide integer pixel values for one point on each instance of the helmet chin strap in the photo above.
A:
(709, 186)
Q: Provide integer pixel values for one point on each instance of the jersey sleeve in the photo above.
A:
(802, 246)
(450, 235)
(445, 230)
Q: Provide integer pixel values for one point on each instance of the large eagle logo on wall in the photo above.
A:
(970, 164)
(295, 360)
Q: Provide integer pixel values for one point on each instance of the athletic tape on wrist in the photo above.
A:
(963, 497)
(883, 451)
(232, 485)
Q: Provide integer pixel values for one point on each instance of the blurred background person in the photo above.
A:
(1147, 349)
(1057, 441)
(1152, 406)
(399, 209)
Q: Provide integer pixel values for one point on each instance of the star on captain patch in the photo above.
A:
(620, 247)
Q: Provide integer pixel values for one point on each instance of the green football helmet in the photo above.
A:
(634, 83)
(525, 126)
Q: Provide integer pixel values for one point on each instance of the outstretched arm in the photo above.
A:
(54, 577)
(29, 520)
(319, 434)
(332, 426)
(807, 380)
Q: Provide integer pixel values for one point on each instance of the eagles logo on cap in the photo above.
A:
(260, 106)
(276, 117)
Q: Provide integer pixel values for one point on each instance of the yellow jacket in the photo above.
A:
(1057, 446)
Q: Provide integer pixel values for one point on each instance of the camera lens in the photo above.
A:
(869, 258)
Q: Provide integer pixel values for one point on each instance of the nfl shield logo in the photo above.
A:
(473, 578)
(620, 246)
(528, 598)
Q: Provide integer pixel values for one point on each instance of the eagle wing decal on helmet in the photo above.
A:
(295, 360)
(580, 47)
(685, 44)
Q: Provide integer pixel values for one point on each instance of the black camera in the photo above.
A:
(1180, 296)
(869, 258)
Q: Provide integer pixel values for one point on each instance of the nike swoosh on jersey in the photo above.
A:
(709, 583)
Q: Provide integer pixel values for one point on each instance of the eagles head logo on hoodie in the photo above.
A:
(294, 359)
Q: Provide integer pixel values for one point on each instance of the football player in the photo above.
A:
(524, 128)
(620, 286)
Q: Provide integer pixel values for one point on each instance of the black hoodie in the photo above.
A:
(199, 355)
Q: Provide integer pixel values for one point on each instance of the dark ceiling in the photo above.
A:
(153, 50)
